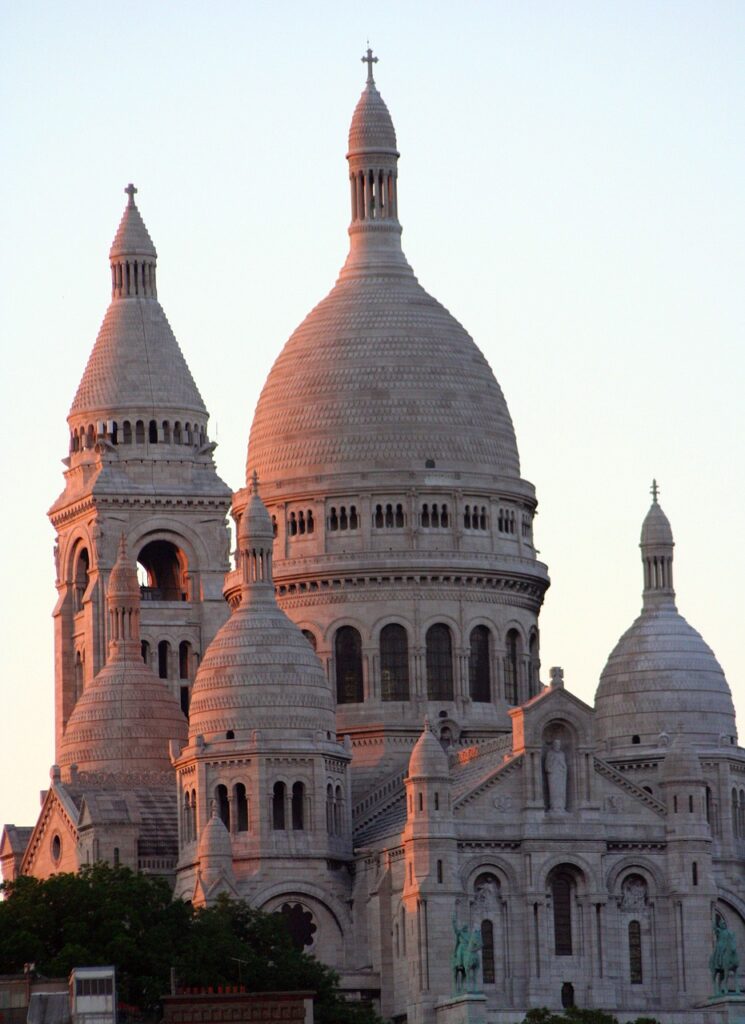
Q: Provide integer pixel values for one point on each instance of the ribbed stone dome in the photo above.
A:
(123, 722)
(379, 374)
(260, 673)
(662, 677)
(656, 528)
(372, 126)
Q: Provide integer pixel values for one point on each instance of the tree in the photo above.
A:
(108, 915)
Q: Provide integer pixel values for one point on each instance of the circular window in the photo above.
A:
(56, 848)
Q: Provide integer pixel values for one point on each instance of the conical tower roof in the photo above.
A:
(124, 721)
(136, 365)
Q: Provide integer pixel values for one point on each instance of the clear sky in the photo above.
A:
(571, 188)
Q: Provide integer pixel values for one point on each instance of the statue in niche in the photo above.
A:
(465, 960)
(486, 895)
(634, 893)
(724, 960)
(555, 767)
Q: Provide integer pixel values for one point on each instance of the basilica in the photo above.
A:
(342, 716)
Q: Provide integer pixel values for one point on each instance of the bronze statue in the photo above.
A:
(465, 960)
(724, 960)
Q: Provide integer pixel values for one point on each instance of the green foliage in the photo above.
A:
(574, 1015)
(110, 915)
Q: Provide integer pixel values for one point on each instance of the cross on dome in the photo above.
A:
(369, 60)
(654, 490)
(130, 191)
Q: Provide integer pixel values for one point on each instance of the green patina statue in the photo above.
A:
(724, 959)
(465, 960)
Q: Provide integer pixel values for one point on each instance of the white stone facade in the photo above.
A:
(589, 849)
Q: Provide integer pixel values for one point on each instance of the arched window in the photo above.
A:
(389, 516)
(298, 806)
(184, 699)
(511, 662)
(78, 674)
(353, 518)
(309, 521)
(735, 823)
(439, 646)
(292, 525)
(338, 810)
(223, 805)
(184, 659)
(487, 952)
(310, 638)
(467, 517)
(425, 516)
(164, 568)
(394, 663)
(152, 432)
(186, 819)
(635, 953)
(479, 665)
(177, 436)
(166, 432)
(127, 432)
(139, 432)
(534, 666)
(145, 651)
(333, 519)
(164, 656)
(80, 577)
(301, 521)
(278, 806)
(240, 806)
(399, 516)
(562, 887)
(330, 809)
(348, 654)
(378, 517)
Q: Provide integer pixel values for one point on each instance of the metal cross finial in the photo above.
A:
(255, 482)
(130, 190)
(370, 60)
(654, 491)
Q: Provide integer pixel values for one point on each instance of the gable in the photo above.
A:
(53, 847)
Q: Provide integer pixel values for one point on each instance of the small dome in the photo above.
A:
(372, 127)
(123, 583)
(123, 722)
(428, 759)
(656, 529)
(681, 763)
(256, 523)
(662, 676)
(259, 672)
(214, 842)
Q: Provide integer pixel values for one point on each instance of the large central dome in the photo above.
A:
(381, 377)
(379, 374)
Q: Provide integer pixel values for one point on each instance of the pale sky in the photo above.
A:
(571, 188)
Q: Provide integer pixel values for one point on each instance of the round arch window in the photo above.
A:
(300, 924)
(56, 848)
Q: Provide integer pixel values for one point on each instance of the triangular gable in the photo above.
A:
(13, 844)
(554, 702)
(58, 818)
(494, 774)
(630, 790)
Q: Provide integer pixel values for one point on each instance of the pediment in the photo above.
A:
(53, 846)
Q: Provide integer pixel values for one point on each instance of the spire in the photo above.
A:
(123, 599)
(374, 231)
(657, 556)
(255, 543)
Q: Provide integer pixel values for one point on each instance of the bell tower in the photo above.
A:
(140, 463)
